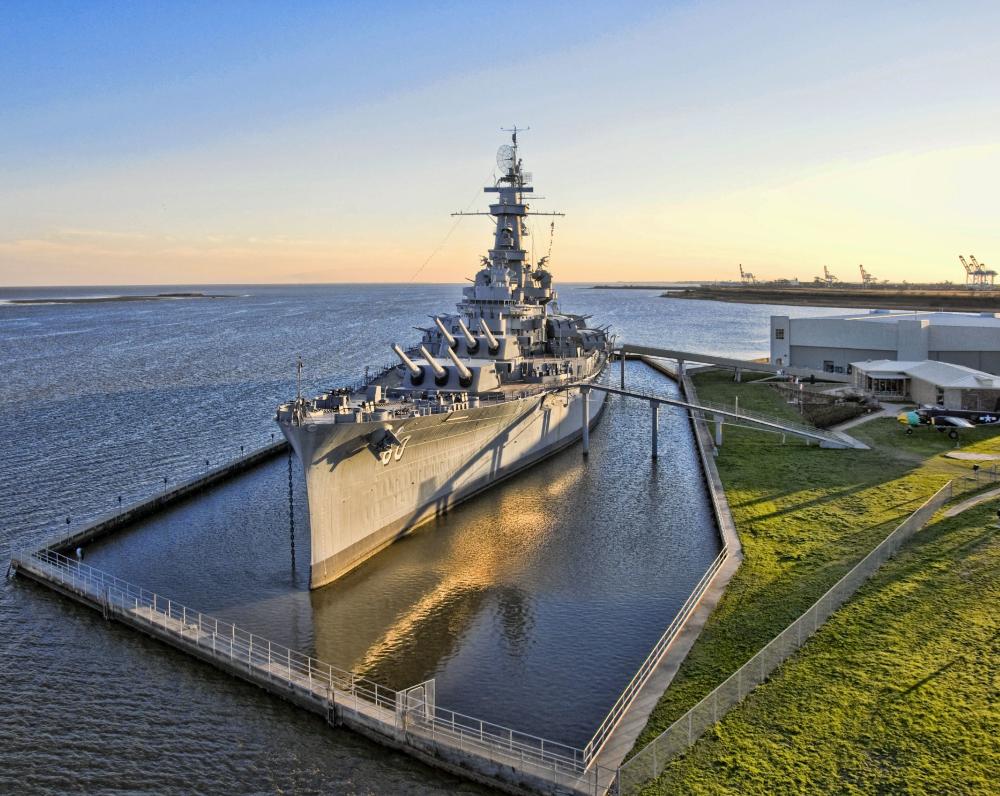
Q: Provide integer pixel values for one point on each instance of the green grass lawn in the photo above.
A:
(898, 693)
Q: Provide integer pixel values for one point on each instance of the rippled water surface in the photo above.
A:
(531, 604)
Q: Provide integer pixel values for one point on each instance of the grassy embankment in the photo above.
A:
(899, 691)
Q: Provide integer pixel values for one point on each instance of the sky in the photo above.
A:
(266, 142)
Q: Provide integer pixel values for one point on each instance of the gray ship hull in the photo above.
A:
(361, 498)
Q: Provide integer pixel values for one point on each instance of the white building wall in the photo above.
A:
(843, 333)
(923, 392)
(911, 339)
(809, 342)
(780, 334)
(815, 356)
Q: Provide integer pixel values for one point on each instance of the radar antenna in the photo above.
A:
(506, 157)
(513, 132)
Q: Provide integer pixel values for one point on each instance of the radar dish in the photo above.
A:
(505, 157)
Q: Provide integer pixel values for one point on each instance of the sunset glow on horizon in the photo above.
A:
(257, 143)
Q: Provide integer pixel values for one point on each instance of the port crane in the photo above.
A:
(828, 278)
(977, 275)
(867, 279)
(746, 278)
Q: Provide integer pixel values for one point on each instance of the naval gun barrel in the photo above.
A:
(494, 343)
(464, 374)
(416, 372)
(440, 373)
(448, 336)
(471, 343)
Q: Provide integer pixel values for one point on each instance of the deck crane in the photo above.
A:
(746, 277)
(867, 280)
(828, 278)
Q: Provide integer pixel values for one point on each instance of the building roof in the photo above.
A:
(982, 319)
(941, 374)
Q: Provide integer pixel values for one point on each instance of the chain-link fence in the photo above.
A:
(680, 735)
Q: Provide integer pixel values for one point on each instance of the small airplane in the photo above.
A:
(949, 420)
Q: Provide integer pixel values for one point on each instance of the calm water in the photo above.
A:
(531, 605)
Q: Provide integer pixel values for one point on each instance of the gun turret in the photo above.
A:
(416, 372)
(494, 344)
(471, 343)
(448, 336)
(440, 373)
(464, 374)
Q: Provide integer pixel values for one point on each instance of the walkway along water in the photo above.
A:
(628, 717)
(408, 720)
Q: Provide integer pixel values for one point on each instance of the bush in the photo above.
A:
(826, 415)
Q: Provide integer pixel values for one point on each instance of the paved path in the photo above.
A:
(972, 457)
(888, 410)
(965, 505)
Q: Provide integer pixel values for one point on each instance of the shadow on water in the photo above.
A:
(532, 604)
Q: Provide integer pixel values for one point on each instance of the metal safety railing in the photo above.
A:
(802, 429)
(317, 680)
(621, 706)
(223, 639)
(649, 763)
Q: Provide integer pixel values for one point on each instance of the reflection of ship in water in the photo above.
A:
(398, 621)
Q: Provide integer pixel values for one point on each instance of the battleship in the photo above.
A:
(488, 391)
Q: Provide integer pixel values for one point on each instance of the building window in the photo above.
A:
(779, 334)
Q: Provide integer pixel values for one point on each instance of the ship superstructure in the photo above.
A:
(488, 391)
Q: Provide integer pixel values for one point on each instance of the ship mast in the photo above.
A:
(510, 293)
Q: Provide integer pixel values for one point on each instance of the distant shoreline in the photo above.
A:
(103, 299)
(920, 300)
(639, 287)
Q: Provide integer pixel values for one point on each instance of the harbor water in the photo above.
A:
(532, 604)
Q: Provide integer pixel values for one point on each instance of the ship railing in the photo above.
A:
(648, 666)
(322, 683)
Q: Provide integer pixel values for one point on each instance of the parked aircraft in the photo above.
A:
(949, 420)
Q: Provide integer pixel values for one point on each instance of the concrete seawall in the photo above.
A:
(633, 722)
(130, 513)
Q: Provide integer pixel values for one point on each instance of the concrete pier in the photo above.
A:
(408, 720)
(675, 644)
(123, 516)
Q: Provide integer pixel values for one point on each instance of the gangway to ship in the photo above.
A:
(730, 363)
(712, 412)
